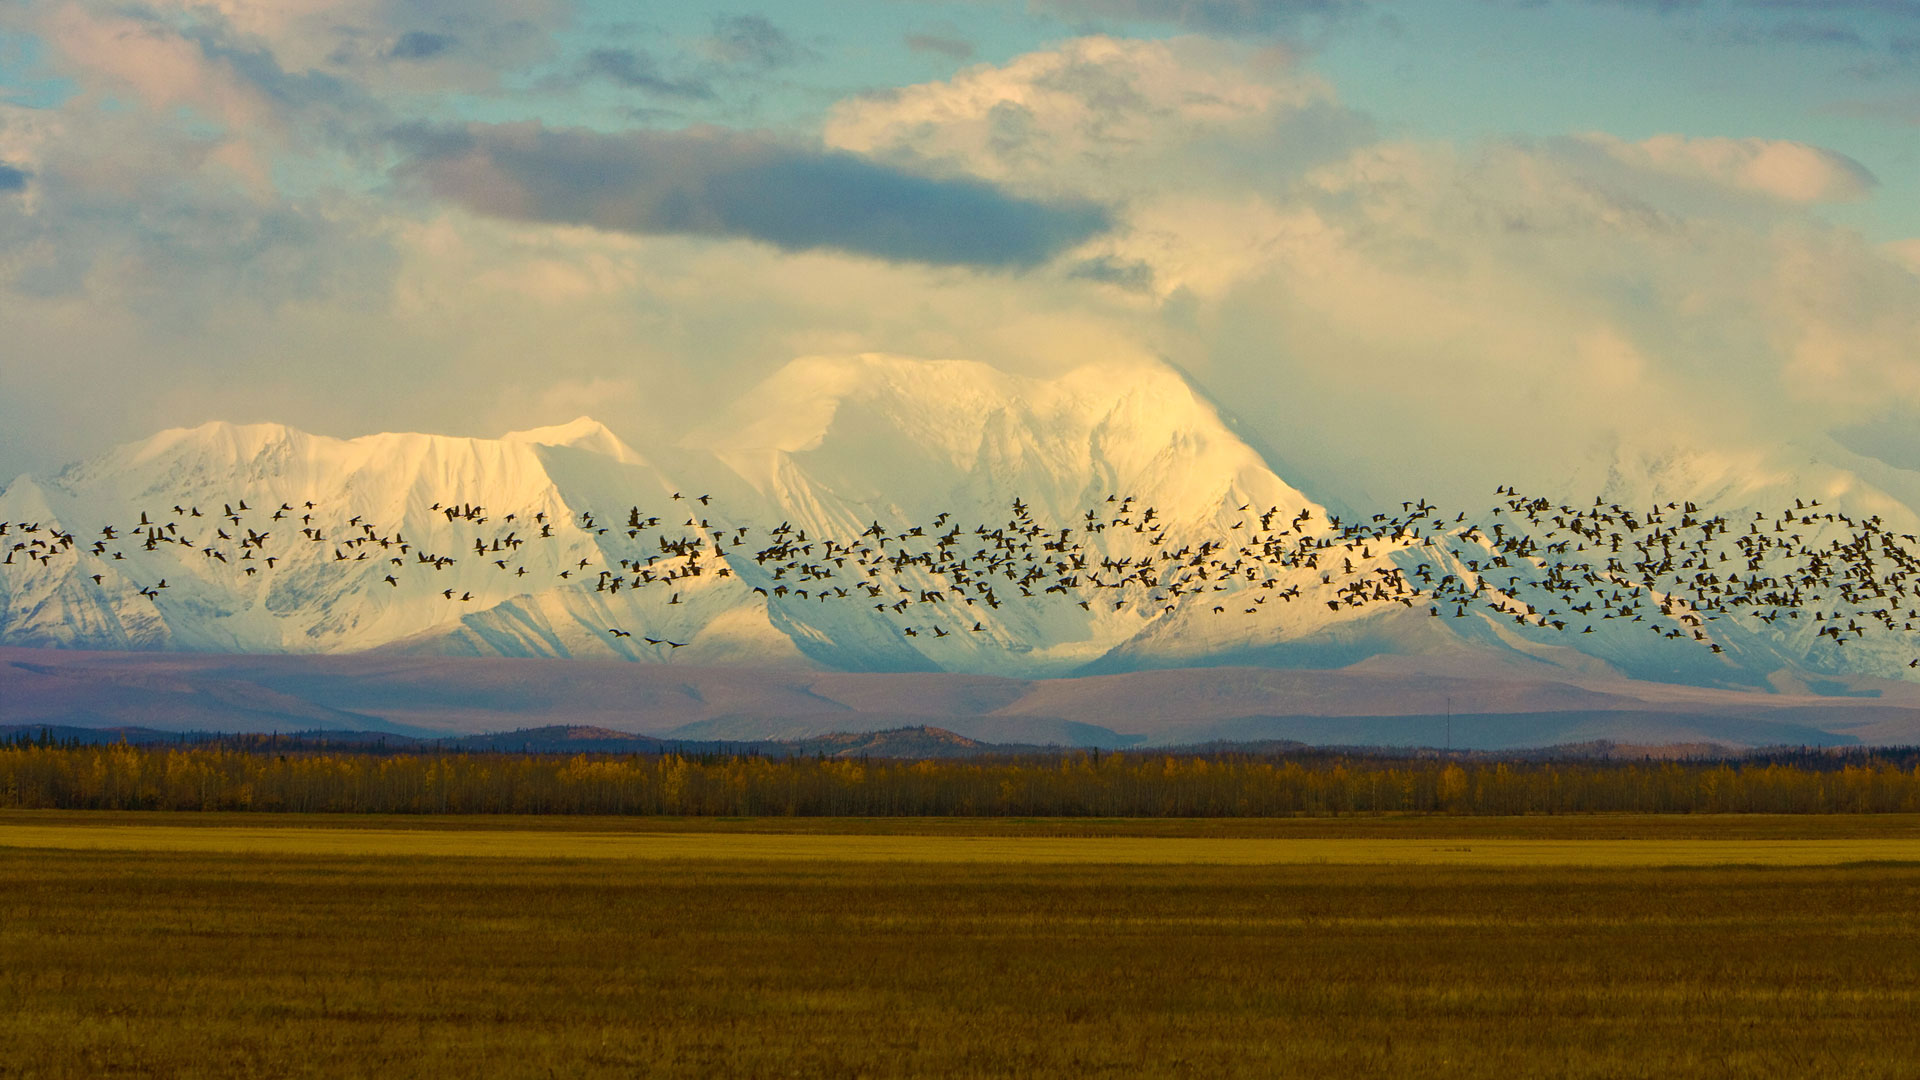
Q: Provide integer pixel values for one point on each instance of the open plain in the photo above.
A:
(269, 945)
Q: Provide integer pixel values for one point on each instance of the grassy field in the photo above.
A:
(660, 845)
(1356, 826)
(206, 963)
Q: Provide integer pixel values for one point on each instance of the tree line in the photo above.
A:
(1122, 784)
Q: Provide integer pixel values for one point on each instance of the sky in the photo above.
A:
(1404, 243)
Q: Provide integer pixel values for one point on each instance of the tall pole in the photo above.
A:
(1449, 723)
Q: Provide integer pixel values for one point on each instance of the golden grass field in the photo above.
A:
(362, 841)
(1596, 826)
(259, 945)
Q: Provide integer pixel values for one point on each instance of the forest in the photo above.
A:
(40, 774)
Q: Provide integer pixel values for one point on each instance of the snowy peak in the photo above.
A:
(865, 512)
(216, 447)
(540, 542)
(583, 433)
(889, 431)
(217, 438)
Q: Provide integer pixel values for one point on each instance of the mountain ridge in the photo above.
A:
(538, 543)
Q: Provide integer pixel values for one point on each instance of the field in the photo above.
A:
(278, 946)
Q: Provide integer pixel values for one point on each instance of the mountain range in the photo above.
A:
(1482, 703)
(419, 546)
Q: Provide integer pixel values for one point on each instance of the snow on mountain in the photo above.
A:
(784, 533)
(835, 445)
(1750, 488)
(183, 504)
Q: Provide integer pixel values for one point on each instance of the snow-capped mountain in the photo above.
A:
(456, 545)
(856, 513)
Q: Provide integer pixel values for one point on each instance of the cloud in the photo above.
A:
(158, 181)
(1789, 171)
(1810, 33)
(146, 62)
(1397, 317)
(381, 44)
(739, 48)
(1206, 16)
(1904, 111)
(143, 279)
(1909, 9)
(421, 45)
(199, 82)
(141, 219)
(194, 76)
(753, 42)
(720, 184)
(1892, 439)
(635, 69)
(1870, 29)
(1109, 115)
(1393, 317)
(1906, 253)
(12, 178)
(1663, 7)
(1906, 9)
(1108, 270)
(950, 45)
(1534, 294)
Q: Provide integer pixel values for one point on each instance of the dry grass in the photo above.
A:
(207, 964)
(1002, 849)
(1414, 826)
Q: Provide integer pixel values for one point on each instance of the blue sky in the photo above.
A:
(1841, 75)
(1478, 70)
(245, 209)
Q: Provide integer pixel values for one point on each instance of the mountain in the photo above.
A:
(829, 446)
(917, 743)
(867, 513)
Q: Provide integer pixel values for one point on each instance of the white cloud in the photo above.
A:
(1409, 318)
(1906, 252)
(389, 43)
(153, 66)
(1792, 172)
(1397, 317)
(1405, 316)
(1102, 115)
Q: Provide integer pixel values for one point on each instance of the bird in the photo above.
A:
(1676, 568)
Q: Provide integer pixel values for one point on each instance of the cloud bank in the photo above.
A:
(1789, 171)
(1367, 304)
(341, 216)
(1207, 16)
(729, 185)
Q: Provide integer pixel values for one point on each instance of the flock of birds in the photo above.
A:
(1674, 568)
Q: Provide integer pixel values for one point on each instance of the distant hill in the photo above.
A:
(908, 742)
(555, 739)
(582, 705)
